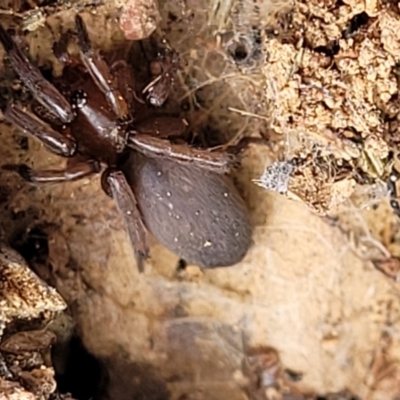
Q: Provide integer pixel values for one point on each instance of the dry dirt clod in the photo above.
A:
(23, 295)
(390, 267)
(266, 378)
(139, 18)
(25, 298)
(324, 76)
(14, 391)
(28, 341)
(39, 381)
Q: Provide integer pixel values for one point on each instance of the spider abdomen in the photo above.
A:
(196, 213)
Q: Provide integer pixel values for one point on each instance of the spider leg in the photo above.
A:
(100, 72)
(72, 172)
(42, 90)
(152, 146)
(116, 185)
(34, 126)
(124, 77)
(163, 69)
(164, 127)
(60, 51)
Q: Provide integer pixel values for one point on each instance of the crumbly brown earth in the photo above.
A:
(25, 299)
(324, 89)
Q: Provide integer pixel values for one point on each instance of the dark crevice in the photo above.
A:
(182, 264)
(337, 397)
(32, 244)
(172, 17)
(77, 371)
(355, 24)
(247, 48)
(330, 50)
(239, 51)
(126, 380)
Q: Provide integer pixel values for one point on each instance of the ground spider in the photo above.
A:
(178, 193)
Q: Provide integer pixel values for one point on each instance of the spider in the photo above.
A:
(393, 183)
(180, 194)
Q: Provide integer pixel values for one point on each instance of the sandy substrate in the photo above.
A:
(307, 287)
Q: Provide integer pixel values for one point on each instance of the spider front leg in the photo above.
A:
(150, 138)
(73, 172)
(29, 123)
(100, 72)
(116, 186)
(163, 69)
(151, 146)
(164, 127)
(43, 91)
(125, 81)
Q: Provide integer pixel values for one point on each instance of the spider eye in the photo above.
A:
(78, 99)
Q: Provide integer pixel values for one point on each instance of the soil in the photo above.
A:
(314, 306)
